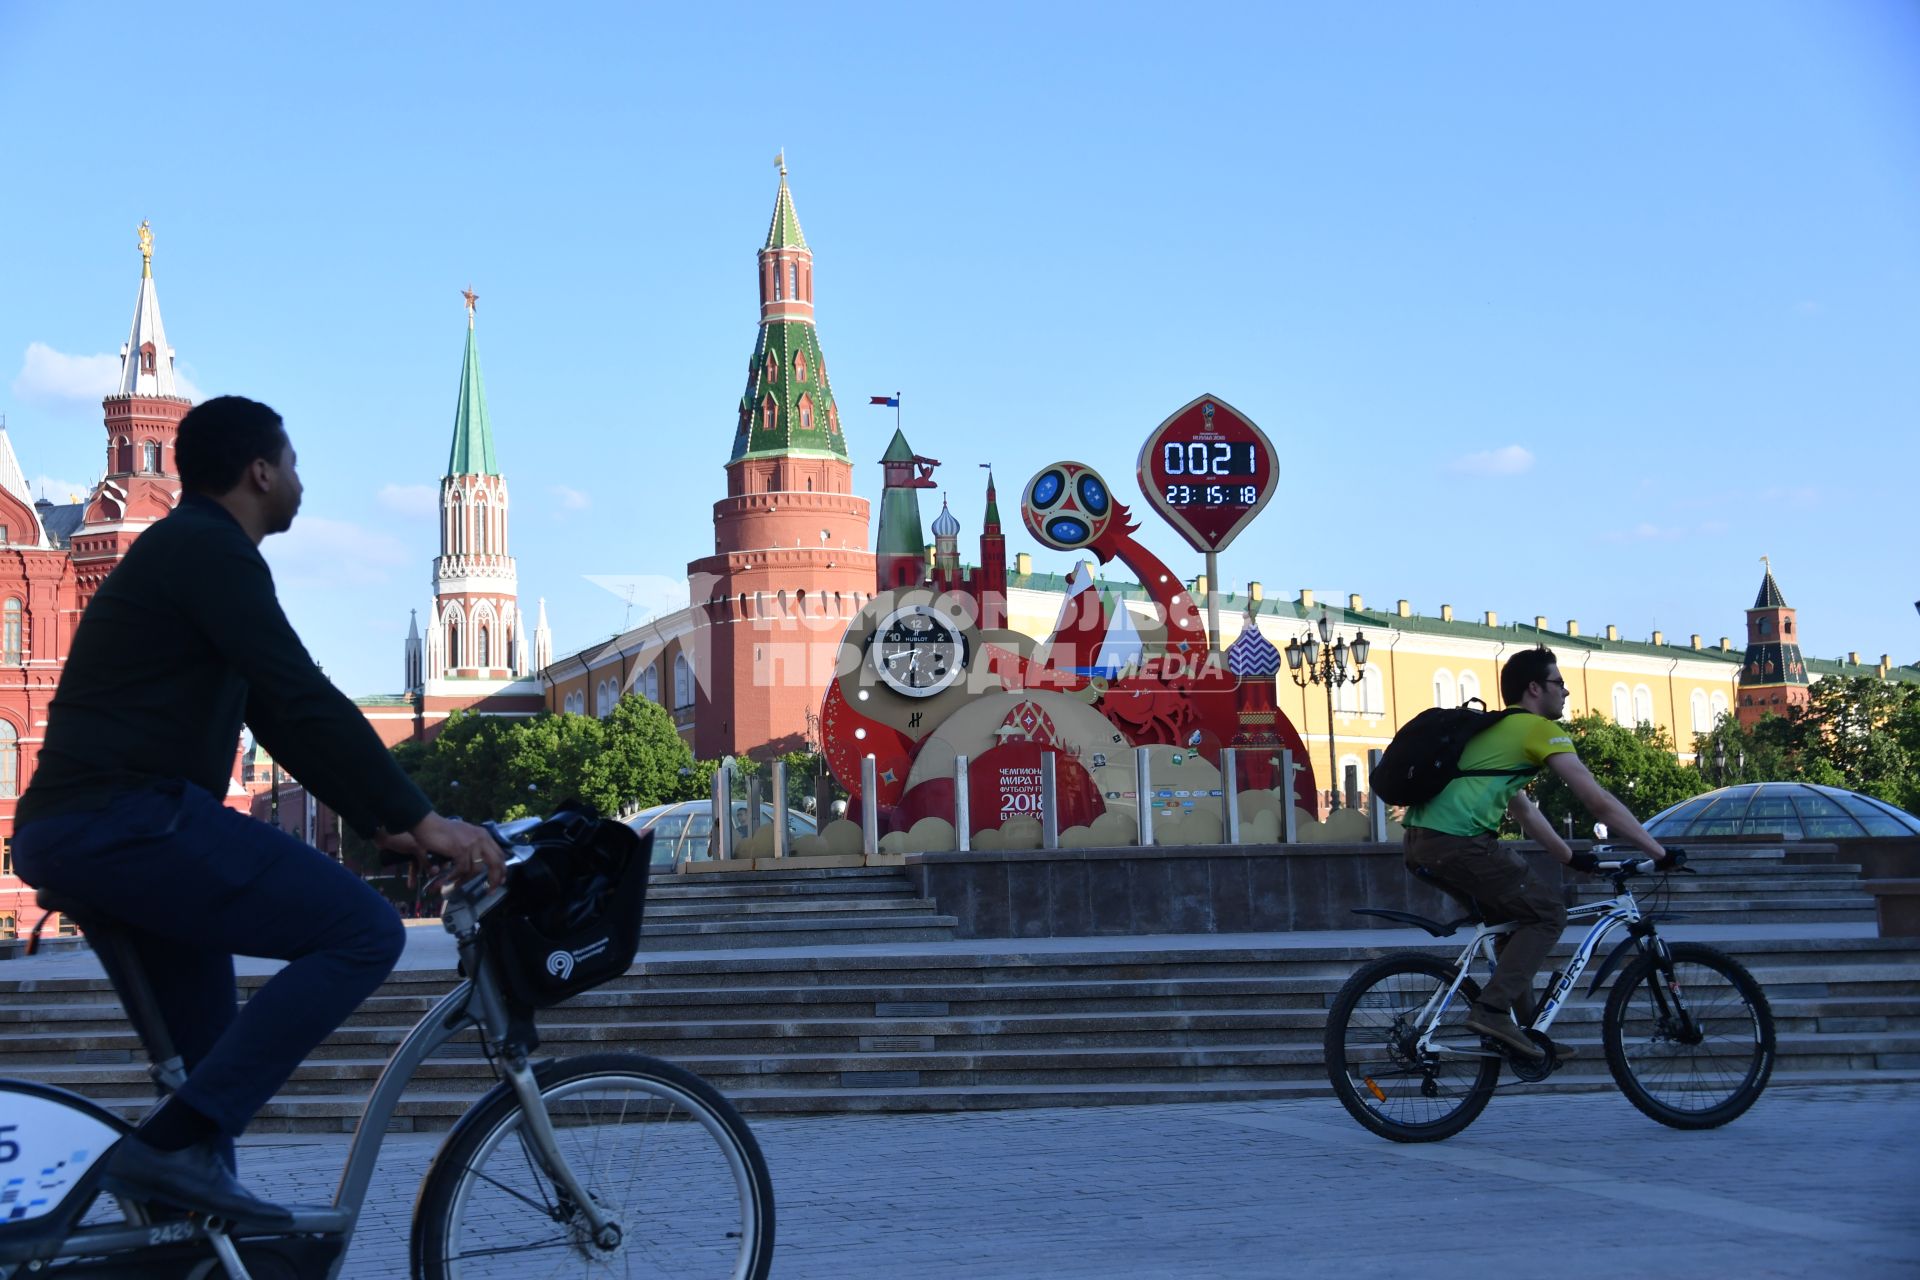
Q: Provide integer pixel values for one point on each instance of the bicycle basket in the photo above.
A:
(571, 920)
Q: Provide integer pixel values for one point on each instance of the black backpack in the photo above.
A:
(1425, 755)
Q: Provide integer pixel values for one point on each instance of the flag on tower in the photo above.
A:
(892, 402)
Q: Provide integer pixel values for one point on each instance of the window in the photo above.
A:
(1373, 692)
(682, 682)
(68, 929)
(150, 457)
(9, 762)
(6, 856)
(1469, 687)
(1697, 705)
(453, 643)
(4, 539)
(793, 279)
(1622, 706)
(575, 703)
(1443, 689)
(9, 926)
(800, 366)
(778, 280)
(1719, 704)
(806, 413)
(1642, 704)
(13, 632)
(483, 649)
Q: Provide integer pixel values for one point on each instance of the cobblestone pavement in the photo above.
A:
(1815, 1180)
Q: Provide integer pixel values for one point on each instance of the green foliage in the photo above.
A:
(1857, 732)
(485, 768)
(1638, 765)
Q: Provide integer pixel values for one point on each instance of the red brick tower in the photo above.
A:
(790, 562)
(1773, 675)
(991, 588)
(142, 482)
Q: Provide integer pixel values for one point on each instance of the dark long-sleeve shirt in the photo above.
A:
(184, 641)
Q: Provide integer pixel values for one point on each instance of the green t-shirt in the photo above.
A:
(1474, 806)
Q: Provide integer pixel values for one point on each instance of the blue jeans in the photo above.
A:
(195, 883)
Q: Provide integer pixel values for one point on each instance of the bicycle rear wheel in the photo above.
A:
(1697, 1059)
(656, 1147)
(1377, 1073)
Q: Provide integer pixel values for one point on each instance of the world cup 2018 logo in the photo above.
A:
(560, 965)
(1067, 506)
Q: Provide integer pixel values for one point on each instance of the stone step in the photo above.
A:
(704, 935)
(697, 888)
(744, 911)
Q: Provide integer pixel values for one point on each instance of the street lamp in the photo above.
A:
(1720, 762)
(1322, 660)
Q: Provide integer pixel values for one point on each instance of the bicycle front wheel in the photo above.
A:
(661, 1152)
(1692, 1047)
(1377, 1070)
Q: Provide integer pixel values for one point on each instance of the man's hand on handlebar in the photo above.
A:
(468, 849)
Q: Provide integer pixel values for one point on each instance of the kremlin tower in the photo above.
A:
(1773, 675)
(790, 563)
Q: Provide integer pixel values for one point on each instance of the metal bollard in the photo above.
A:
(1049, 803)
(720, 847)
(962, 807)
(779, 808)
(1289, 822)
(1143, 791)
(1229, 795)
(869, 807)
(1376, 807)
(754, 801)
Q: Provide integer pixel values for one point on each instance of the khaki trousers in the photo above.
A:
(1500, 878)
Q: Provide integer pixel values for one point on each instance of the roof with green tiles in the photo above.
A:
(472, 453)
(784, 231)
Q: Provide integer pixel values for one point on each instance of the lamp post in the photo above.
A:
(1323, 661)
(1720, 763)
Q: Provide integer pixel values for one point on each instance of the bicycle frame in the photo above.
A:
(475, 1003)
(1607, 916)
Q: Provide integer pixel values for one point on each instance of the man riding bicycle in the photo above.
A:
(182, 642)
(1454, 838)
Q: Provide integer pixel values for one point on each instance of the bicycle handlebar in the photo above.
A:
(1639, 864)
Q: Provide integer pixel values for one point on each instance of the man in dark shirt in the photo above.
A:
(184, 641)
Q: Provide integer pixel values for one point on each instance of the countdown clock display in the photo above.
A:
(1208, 470)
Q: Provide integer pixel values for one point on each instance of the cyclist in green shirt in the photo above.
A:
(1454, 838)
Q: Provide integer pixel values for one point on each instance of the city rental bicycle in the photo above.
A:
(607, 1164)
(1687, 1031)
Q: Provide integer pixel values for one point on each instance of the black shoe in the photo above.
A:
(194, 1178)
(1497, 1025)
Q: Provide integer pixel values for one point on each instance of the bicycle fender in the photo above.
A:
(1608, 965)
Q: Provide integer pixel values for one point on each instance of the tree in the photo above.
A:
(1858, 729)
(1638, 765)
(645, 756)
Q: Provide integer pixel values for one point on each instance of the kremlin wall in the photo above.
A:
(743, 669)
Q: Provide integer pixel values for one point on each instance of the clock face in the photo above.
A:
(917, 651)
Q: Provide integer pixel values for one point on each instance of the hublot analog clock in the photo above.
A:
(917, 651)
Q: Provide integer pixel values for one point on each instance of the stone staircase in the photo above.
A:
(1751, 885)
(930, 1029)
(800, 908)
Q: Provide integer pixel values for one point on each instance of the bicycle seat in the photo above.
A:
(114, 948)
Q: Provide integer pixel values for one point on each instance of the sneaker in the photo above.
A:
(196, 1178)
(1564, 1052)
(1497, 1026)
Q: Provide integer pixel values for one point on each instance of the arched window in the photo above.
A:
(150, 457)
(483, 647)
(574, 703)
(799, 366)
(806, 413)
(9, 761)
(1642, 704)
(1373, 692)
(682, 682)
(1702, 718)
(1719, 704)
(453, 643)
(778, 281)
(650, 683)
(1622, 706)
(13, 637)
(793, 279)
(1469, 687)
(1444, 694)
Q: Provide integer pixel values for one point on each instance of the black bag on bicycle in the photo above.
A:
(1425, 755)
(572, 915)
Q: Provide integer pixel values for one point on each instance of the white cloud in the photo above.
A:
(1512, 460)
(570, 499)
(59, 491)
(650, 594)
(416, 500)
(319, 552)
(56, 379)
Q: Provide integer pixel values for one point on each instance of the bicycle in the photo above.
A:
(1688, 1033)
(558, 1169)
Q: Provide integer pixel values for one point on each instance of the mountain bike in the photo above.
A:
(605, 1164)
(1687, 1031)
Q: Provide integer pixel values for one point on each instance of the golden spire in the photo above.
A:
(780, 161)
(1766, 564)
(146, 249)
(471, 298)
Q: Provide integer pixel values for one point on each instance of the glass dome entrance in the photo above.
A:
(1795, 810)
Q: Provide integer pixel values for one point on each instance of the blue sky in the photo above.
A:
(1574, 310)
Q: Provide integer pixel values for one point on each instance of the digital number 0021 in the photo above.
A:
(1202, 458)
